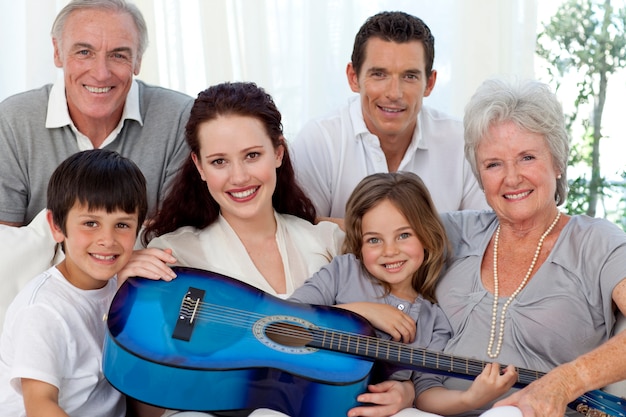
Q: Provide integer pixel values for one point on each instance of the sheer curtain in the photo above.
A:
(296, 49)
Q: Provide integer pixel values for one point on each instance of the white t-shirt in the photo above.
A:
(332, 154)
(53, 332)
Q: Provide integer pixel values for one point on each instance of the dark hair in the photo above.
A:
(98, 179)
(200, 209)
(396, 27)
(407, 192)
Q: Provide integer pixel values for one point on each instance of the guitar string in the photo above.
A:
(247, 318)
(403, 351)
(217, 313)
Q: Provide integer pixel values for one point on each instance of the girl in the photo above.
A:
(393, 254)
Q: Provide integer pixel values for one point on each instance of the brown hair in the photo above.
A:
(407, 192)
(188, 201)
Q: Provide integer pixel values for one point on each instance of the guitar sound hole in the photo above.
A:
(288, 334)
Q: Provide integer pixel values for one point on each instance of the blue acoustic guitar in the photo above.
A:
(207, 342)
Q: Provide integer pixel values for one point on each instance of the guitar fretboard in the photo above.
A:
(410, 357)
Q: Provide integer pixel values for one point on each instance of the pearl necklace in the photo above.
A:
(494, 314)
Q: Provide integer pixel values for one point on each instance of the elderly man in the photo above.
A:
(98, 104)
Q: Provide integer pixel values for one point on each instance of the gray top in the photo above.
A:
(29, 152)
(564, 311)
(344, 280)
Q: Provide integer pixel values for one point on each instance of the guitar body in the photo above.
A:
(228, 362)
(207, 342)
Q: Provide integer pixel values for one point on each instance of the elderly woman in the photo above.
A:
(527, 284)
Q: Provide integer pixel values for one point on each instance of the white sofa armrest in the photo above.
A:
(25, 252)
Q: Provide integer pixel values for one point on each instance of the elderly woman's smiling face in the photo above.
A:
(517, 172)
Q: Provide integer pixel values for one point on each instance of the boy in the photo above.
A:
(51, 343)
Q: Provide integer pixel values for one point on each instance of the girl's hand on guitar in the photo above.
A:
(399, 325)
(148, 263)
(385, 399)
(490, 384)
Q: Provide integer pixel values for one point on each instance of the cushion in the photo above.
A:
(25, 252)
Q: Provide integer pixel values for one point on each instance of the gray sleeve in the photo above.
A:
(433, 332)
(157, 146)
(13, 187)
(441, 333)
(180, 153)
(29, 153)
(322, 287)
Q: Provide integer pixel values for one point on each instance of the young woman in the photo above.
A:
(236, 209)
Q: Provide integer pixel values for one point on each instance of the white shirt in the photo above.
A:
(332, 154)
(58, 114)
(304, 249)
(54, 333)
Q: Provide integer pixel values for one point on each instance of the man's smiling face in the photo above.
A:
(392, 84)
(98, 52)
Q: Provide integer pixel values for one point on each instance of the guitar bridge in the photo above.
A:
(189, 308)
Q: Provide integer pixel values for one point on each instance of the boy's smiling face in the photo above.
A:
(97, 244)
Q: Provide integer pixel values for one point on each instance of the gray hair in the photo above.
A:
(532, 106)
(119, 6)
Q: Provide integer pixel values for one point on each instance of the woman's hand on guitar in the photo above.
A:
(549, 395)
(540, 399)
(400, 326)
(385, 399)
(148, 263)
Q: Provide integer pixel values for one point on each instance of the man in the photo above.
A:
(98, 104)
(387, 129)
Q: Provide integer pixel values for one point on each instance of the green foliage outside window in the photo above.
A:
(586, 39)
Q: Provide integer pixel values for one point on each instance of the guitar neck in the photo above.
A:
(591, 404)
(407, 357)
